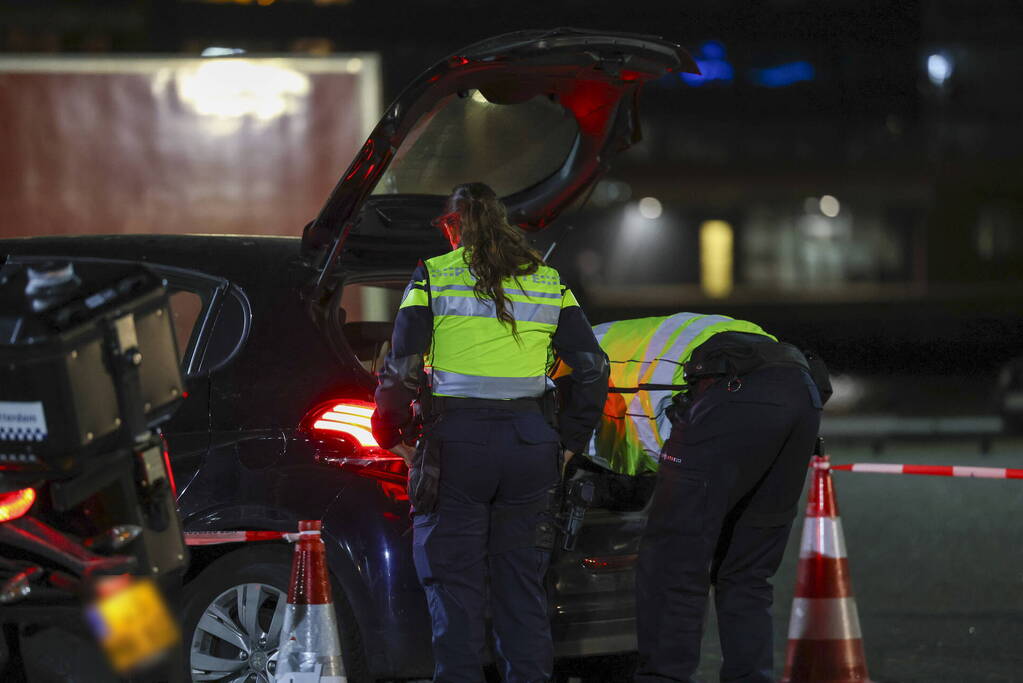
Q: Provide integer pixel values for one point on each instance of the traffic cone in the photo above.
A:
(825, 642)
(310, 647)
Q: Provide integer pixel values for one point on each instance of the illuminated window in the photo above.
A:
(822, 243)
(716, 277)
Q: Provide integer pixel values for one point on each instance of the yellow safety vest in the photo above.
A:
(644, 351)
(473, 353)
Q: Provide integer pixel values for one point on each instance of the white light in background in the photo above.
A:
(214, 51)
(650, 208)
(819, 227)
(637, 234)
(617, 191)
(637, 242)
(716, 241)
(829, 206)
(848, 391)
(609, 192)
(353, 65)
(235, 88)
(939, 68)
(477, 96)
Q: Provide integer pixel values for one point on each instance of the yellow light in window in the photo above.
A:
(716, 258)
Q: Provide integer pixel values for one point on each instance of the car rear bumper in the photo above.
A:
(594, 637)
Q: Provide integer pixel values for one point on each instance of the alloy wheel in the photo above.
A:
(236, 638)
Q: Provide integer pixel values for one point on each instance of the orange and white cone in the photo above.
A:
(310, 646)
(825, 642)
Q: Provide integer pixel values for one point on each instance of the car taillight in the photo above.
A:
(346, 423)
(14, 504)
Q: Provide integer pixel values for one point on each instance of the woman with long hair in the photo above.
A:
(473, 340)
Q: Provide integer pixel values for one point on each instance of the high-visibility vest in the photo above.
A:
(473, 353)
(648, 351)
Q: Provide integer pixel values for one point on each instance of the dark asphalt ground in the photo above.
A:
(936, 565)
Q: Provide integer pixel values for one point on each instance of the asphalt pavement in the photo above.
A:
(936, 565)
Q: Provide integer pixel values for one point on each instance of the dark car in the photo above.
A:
(280, 337)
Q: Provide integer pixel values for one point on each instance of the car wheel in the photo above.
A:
(232, 617)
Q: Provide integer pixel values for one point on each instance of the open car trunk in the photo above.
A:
(537, 115)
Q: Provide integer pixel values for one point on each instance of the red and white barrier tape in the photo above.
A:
(934, 470)
(218, 537)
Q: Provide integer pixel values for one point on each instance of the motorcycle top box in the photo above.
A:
(58, 398)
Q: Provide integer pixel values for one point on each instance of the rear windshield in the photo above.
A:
(466, 138)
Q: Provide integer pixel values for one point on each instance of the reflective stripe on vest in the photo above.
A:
(520, 310)
(649, 351)
(474, 354)
(664, 373)
(643, 409)
(456, 384)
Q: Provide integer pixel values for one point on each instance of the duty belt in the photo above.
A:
(444, 404)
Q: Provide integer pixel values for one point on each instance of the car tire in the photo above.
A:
(212, 597)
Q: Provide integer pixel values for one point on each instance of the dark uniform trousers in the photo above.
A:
(728, 487)
(496, 469)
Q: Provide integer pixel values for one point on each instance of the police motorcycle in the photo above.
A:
(90, 542)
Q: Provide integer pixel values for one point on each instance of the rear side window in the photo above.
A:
(212, 318)
(186, 309)
(229, 331)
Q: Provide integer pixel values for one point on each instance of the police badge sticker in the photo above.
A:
(22, 421)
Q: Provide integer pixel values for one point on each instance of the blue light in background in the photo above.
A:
(783, 75)
(713, 65)
(712, 49)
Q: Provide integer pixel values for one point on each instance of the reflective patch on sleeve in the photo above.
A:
(568, 299)
(415, 297)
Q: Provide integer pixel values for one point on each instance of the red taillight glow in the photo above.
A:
(170, 472)
(167, 465)
(395, 491)
(613, 563)
(14, 504)
(349, 420)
